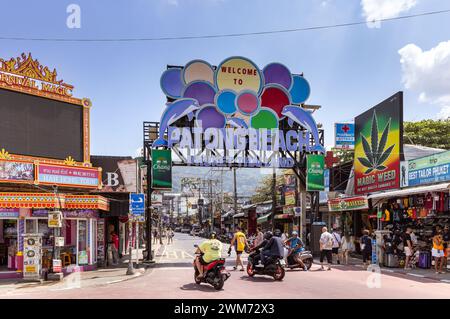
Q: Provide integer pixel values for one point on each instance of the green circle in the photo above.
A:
(264, 119)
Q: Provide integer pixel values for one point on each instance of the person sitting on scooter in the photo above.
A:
(210, 250)
(295, 245)
(274, 247)
(257, 258)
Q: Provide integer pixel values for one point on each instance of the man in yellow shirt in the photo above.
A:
(239, 242)
(211, 250)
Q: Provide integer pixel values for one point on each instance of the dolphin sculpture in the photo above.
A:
(305, 120)
(237, 122)
(174, 112)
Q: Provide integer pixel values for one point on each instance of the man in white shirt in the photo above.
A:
(336, 244)
(326, 247)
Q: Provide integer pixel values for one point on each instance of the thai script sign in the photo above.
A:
(68, 176)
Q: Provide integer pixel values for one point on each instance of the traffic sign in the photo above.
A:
(137, 204)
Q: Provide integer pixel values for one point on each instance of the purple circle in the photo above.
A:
(171, 83)
(210, 117)
(202, 91)
(277, 73)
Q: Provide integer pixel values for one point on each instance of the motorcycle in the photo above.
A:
(273, 266)
(305, 256)
(214, 273)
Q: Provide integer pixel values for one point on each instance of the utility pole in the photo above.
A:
(274, 196)
(235, 189)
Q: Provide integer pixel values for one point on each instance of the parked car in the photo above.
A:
(177, 229)
(195, 231)
(185, 230)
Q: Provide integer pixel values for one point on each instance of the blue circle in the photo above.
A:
(225, 101)
(300, 90)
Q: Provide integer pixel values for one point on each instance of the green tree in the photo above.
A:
(431, 133)
(265, 189)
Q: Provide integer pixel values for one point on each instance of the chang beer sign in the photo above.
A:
(162, 169)
(315, 172)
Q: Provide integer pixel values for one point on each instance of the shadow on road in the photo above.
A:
(195, 287)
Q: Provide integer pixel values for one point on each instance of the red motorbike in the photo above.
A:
(214, 273)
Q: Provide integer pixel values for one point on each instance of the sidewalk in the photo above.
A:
(415, 272)
(100, 277)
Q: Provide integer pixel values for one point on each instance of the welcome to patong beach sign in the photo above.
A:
(235, 113)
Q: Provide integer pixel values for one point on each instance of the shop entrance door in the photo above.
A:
(8, 244)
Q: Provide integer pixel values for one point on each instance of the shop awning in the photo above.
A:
(263, 218)
(49, 200)
(443, 187)
(240, 215)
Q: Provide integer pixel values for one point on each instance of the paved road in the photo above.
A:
(172, 277)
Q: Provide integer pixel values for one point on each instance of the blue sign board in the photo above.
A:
(326, 179)
(374, 252)
(344, 135)
(137, 204)
(427, 170)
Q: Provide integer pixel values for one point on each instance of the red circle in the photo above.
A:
(275, 98)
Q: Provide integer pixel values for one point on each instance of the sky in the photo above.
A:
(350, 69)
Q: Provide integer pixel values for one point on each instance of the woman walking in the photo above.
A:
(347, 247)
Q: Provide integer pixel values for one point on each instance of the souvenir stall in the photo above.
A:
(426, 209)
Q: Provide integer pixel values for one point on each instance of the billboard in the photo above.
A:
(426, 170)
(378, 146)
(315, 166)
(162, 169)
(37, 126)
(344, 135)
(68, 176)
(16, 172)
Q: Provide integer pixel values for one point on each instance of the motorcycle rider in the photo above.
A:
(257, 259)
(274, 247)
(295, 245)
(210, 250)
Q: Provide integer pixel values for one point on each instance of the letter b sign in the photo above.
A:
(112, 179)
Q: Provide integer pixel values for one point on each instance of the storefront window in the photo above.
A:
(8, 244)
(31, 226)
(82, 243)
(45, 231)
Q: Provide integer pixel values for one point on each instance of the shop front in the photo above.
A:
(79, 242)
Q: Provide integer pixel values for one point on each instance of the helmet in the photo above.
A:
(268, 235)
(277, 233)
(213, 235)
(294, 233)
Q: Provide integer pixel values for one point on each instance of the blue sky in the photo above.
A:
(350, 69)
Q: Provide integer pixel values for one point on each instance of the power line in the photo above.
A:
(227, 35)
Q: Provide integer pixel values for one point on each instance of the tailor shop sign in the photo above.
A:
(234, 108)
(427, 170)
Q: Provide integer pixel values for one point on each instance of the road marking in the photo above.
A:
(445, 280)
(415, 275)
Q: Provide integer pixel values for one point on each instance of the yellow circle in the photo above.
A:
(238, 74)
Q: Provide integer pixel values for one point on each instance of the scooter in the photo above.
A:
(214, 273)
(273, 266)
(305, 256)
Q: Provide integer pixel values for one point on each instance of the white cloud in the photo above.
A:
(374, 10)
(428, 74)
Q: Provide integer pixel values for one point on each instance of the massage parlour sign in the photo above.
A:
(26, 73)
(234, 113)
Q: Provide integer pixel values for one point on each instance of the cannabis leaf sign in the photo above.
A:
(375, 152)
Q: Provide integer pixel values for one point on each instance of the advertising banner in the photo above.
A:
(351, 203)
(54, 219)
(315, 165)
(162, 169)
(289, 198)
(32, 256)
(427, 170)
(378, 146)
(12, 171)
(68, 176)
(344, 135)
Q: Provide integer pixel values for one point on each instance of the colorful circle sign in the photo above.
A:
(171, 83)
(247, 102)
(202, 91)
(198, 70)
(300, 90)
(265, 118)
(276, 98)
(238, 74)
(277, 73)
(210, 117)
(226, 101)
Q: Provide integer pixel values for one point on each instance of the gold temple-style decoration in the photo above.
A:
(4, 155)
(69, 161)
